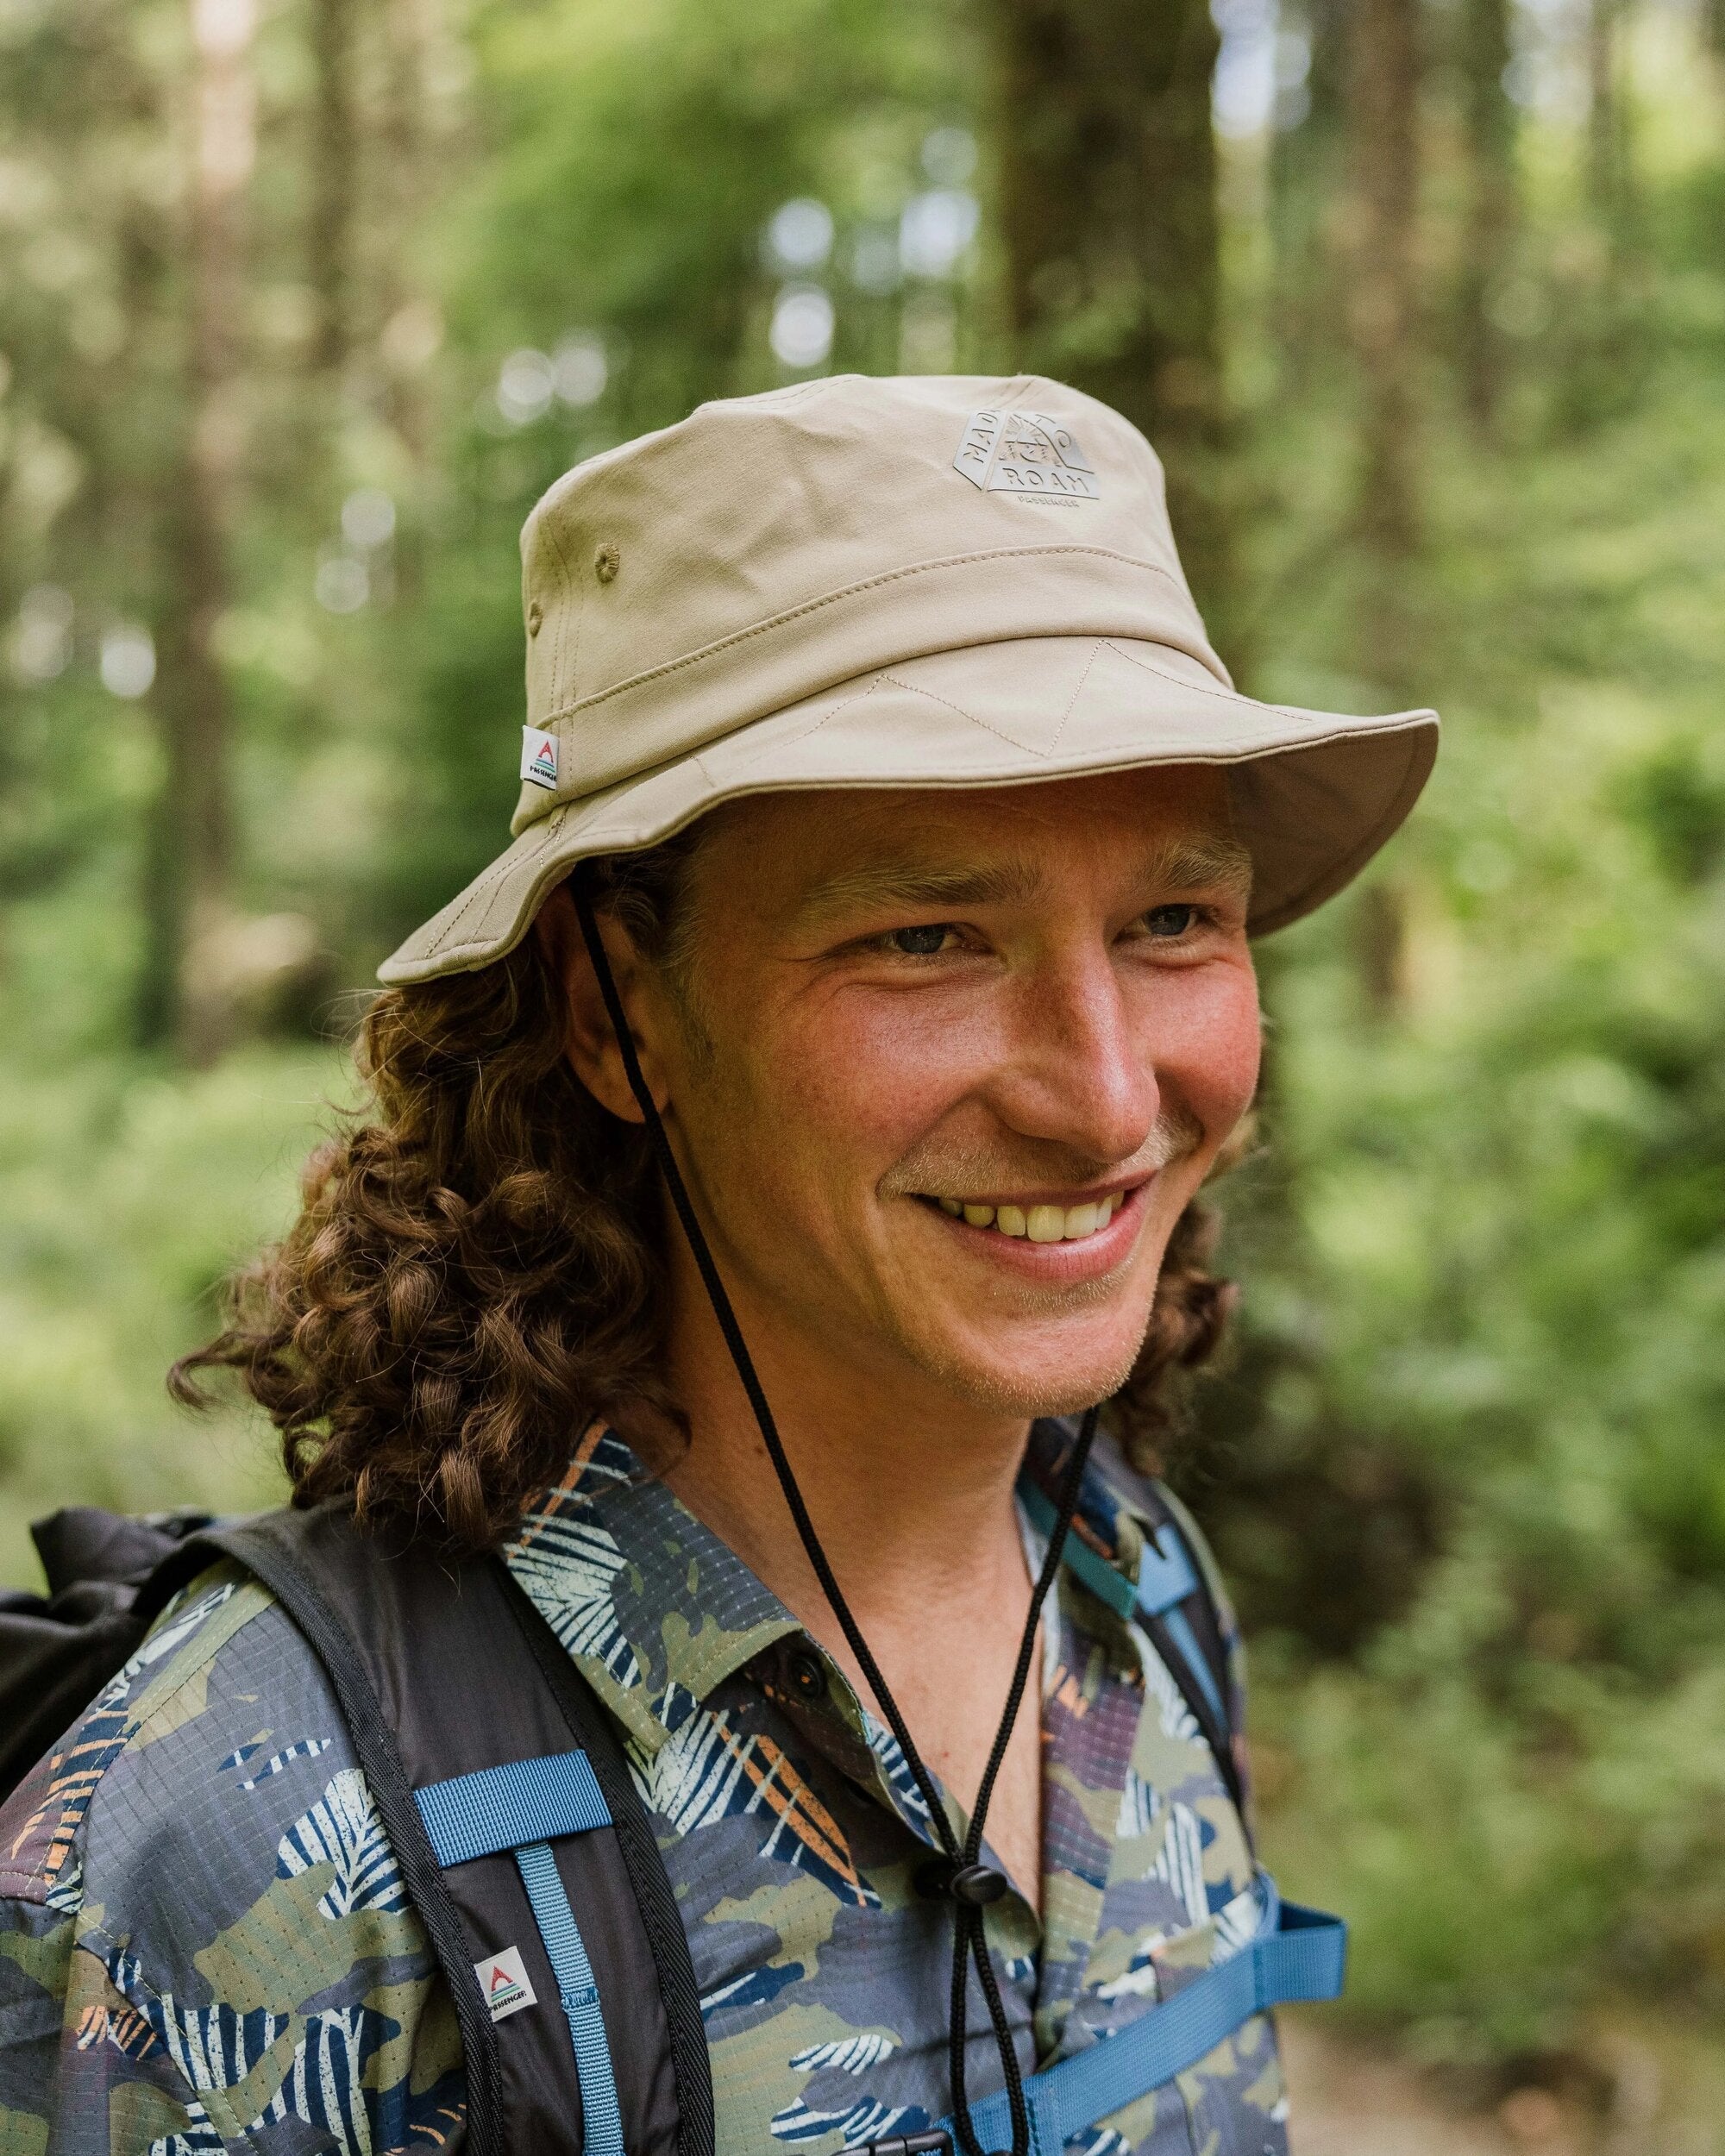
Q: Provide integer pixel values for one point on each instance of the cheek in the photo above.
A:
(866, 1080)
(1207, 1043)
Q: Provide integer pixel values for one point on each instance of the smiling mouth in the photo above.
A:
(1038, 1223)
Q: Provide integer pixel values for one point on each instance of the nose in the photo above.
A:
(1079, 1075)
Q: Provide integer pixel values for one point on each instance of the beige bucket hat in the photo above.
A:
(942, 580)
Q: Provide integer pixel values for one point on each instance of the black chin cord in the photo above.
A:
(970, 1884)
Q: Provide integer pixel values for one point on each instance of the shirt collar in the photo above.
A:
(656, 1611)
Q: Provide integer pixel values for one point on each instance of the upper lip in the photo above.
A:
(1089, 1195)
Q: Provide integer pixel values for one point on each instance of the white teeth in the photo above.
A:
(1041, 1224)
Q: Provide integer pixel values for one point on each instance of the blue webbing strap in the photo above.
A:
(524, 1807)
(1299, 1954)
(601, 2122)
(501, 1807)
(1165, 1578)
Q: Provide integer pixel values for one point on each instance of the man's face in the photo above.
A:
(951, 1065)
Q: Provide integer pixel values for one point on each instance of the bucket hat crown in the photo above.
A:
(920, 581)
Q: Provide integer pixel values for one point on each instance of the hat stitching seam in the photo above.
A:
(577, 599)
(801, 733)
(1098, 644)
(1024, 748)
(1225, 696)
(1129, 745)
(1290, 908)
(496, 874)
(484, 887)
(1072, 700)
(848, 591)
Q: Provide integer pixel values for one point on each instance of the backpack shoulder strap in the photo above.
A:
(1173, 1602)
(509, 1805)
(1294, 1952)
(1178, 1607)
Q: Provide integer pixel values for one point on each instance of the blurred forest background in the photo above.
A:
(303, 303)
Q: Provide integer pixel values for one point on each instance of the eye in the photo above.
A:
(918, 943)
(1168, 922)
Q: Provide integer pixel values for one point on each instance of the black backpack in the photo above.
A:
(504, 1793)
(496, 1774)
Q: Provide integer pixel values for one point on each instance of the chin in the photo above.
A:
(1053, 1382)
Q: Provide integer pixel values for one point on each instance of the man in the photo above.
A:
(806, 1106)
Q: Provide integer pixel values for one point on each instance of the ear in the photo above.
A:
(589, 1042)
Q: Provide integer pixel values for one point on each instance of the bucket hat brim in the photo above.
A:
(1313, 794)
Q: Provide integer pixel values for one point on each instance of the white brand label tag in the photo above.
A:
(503, 1979)
(539, 758)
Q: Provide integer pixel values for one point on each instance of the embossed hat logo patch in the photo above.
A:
(1027, 453)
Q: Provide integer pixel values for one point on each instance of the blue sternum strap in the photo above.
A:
(1301, 1958)
(524, 1807)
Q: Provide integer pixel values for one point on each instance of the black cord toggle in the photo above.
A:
(943, 1878)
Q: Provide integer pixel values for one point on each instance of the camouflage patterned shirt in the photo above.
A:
(206, 1943)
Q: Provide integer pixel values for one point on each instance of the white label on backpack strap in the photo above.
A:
(503, 1978)
(539, 758)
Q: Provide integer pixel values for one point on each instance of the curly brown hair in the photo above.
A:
(478, 1264)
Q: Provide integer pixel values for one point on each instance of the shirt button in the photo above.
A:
(807, 1674)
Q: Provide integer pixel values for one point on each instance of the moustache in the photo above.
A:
(942, 1167)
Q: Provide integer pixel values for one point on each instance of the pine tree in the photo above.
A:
(1108, 217)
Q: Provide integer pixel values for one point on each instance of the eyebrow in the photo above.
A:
(1203, 862)
(1180, 864)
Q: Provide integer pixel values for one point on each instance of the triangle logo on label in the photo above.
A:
(539, 758)
(505, 1983)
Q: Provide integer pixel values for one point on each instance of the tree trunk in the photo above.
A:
(1110, 221)
(1491, 217)
(1601, 112)
(1383, 86)
(1306, 158)
(335, 180)
(185, 993)
(1611, 162)
(408, 348)
(1383, 117)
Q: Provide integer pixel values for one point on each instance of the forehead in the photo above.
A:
(792, 849)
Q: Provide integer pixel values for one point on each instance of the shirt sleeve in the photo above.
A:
(206, 1942)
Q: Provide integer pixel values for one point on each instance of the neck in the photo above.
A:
(912, 1497)
(911, 1492)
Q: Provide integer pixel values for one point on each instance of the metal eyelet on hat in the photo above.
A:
(536, 614)
(606, 561)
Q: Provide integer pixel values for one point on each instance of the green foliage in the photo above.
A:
(126, 1196)
(1467, 1471)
